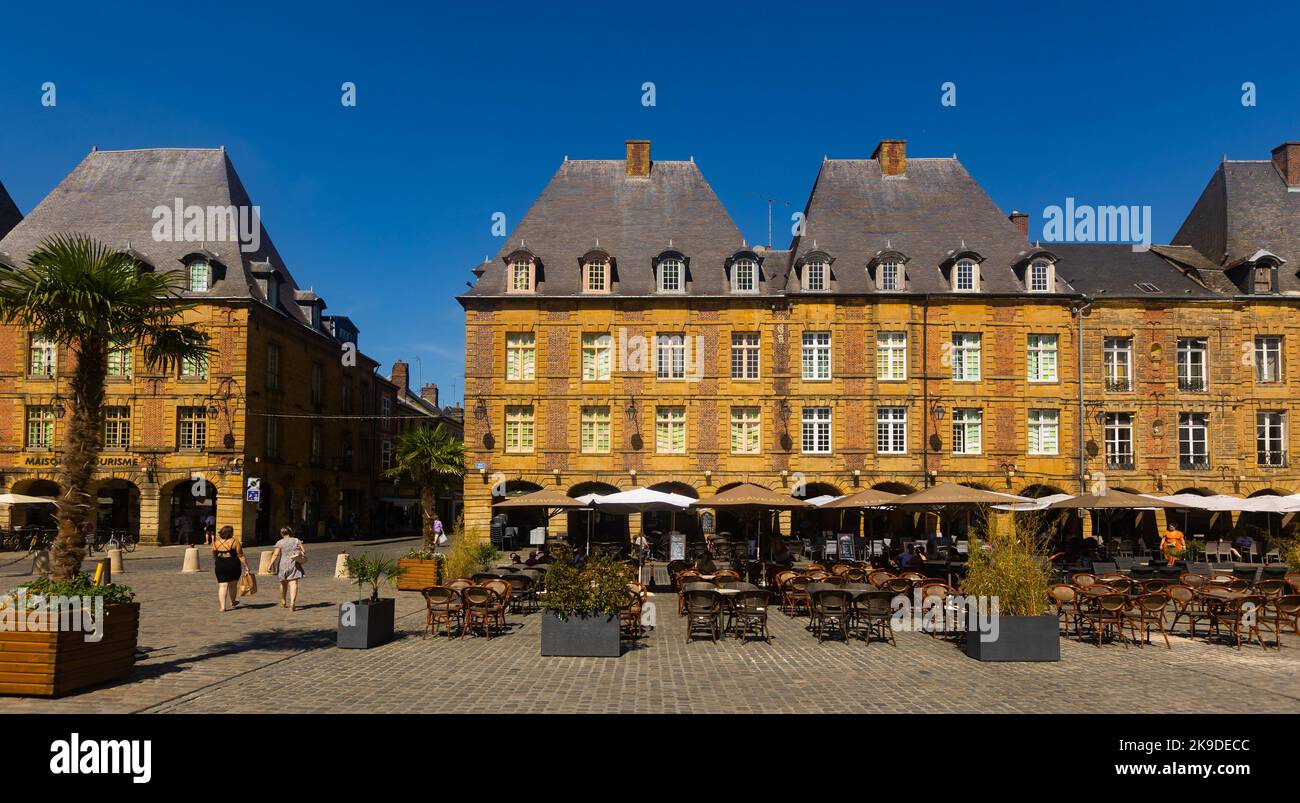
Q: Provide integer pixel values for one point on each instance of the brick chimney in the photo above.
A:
(892, 155)
(638, 157)
(429, 393)
(401, 375)
(1021, 219)
(1286, 158)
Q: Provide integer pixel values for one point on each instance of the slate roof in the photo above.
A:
(594, 205)
(1246, 207)
(9, 213)
(111, 196)
(1114, 270)
(929, 214)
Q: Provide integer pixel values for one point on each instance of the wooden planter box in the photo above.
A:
(53, 664)
(419, 574)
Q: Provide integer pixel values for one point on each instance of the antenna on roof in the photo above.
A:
(566, 157)
(692, 158)
(93, 148)
(771, 201)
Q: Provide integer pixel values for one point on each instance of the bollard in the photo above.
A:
(103, 572)
(191, 563)
(264, 566)
(41, 563)
(115, 560)
(341, 567)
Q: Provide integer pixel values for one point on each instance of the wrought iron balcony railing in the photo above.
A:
(1119, 385)
(1119, 462)
(1191, 384)
(1272, 459)
(1194, 462)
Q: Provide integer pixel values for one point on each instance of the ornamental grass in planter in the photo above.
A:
(368, 622)
(39, 656)
(581, 607)
(1013, 569)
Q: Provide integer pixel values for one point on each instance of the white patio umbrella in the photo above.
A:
(1039, 503)
(24, 499)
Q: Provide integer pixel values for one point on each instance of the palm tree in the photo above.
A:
(434, 461)
(90, 298)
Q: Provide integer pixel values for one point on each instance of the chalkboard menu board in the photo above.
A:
(846, 546)
(677, 547)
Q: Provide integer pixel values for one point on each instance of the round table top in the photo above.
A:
(1220, 593)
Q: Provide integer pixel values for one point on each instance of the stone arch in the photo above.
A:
(602, 527)
(1264, 528)
(663, 522)
(522, 519)
(42, 516)
(1199, 523)
(117, 507)
(1059, 526)
(184, 506)
(816, 522)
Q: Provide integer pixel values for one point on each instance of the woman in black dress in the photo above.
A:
(230, 564)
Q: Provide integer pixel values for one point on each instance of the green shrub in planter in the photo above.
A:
(368, 622)
(1013, 568)
(581, 608)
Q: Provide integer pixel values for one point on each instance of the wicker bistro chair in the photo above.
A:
(483, 606)
(522, 597)
(855, 575)
(1066, 601)
(703, 611)
(831, 607)
(841, 569)
(899, 585)
(796, 594)
(1286, 610)
(1293, 580)
(502, 587)
(629, 616)
(481, 577)
(726, 575)
(878, 577)
(1148, 610)
(1192, 580)
(1106, 614)
(749, 614)
(442, 604)
(459, 584)
(681, 579)
(874, 611)
(1271, 589)
(1244, 613)
(1082, 580)
(935, 593)
(1187, 603)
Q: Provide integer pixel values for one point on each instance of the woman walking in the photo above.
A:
(288, 557)
(230, 564)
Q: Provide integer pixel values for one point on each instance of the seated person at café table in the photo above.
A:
(1241, 545)
(1172, 540)
(913, 557)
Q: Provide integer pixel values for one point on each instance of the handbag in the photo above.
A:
(299, 555)
(247, 585)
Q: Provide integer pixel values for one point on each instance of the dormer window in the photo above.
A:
(273, 290)
(816, 275)
(521, 276)
(1040, 276)
(744, 276)
(966, 276)
(595, 275)
(672, 275)
(1263, 278)
(200, 276)
(890, 275)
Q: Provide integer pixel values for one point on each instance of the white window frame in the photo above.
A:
(746, 430)
(1117, 353)
(42, 357)
(521, 356)
(967, 350)
(817, 357)
(597, 276)
(744, 276)
(1193, 438)
(200, 276)
(816, 436)
(816, 275)
(521, 277)
(1038, 278)
(961, 266)
(746, 356)
(120, 362)
(670, 356)
(117, 427)
(194, 369)
(1042, 358)
(967, 431)
(597, 356)
(891, 430)
(596, 431)
(891, 276)
(1270, 438)
(671, 276)
(191, 428)
(891, 356)
(1041, 422)
(670, 429)
(1268, 359)
(1189, 368)
(1118, 437)
(520, 429)
(39, 430)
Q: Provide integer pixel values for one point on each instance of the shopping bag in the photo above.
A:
(247, 585)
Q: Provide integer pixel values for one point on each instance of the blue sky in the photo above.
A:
(464, 110)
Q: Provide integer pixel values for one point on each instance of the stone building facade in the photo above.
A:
(626, 335)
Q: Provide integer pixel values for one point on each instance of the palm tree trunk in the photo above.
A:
(428, 510)
(81, 447)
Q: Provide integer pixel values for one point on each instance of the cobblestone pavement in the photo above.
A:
(244, 661)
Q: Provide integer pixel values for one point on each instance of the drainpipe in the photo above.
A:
(925, 392)
(1077, 312)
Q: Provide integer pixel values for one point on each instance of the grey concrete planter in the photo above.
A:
(1020, 638)
(370, 624)
(580, 636)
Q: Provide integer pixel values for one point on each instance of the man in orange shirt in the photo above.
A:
(1173, 540)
